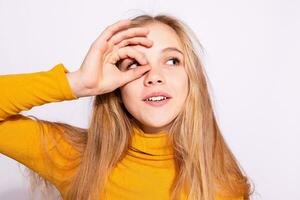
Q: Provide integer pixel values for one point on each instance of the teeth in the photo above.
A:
(159, 98)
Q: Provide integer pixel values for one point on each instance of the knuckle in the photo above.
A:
(120, 53)
(128, 48)
(134, 40)
(112, 41)
(126, 42)
(123, 43)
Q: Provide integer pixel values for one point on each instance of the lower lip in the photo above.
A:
(157, 103)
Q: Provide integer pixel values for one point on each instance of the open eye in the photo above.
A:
(131, 63)
(176, 60)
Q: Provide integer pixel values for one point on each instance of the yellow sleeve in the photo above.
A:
(20, 135)
(21, 92)
(223, 198)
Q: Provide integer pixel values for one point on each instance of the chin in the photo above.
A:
(156, 124)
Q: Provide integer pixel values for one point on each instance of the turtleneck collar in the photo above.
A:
(153, 146)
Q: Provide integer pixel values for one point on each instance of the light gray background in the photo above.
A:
(252, 60)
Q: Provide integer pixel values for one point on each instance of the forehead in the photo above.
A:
(162, 36)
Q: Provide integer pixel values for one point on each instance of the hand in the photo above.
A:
(98, 73)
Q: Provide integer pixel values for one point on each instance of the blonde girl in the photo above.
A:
(153, 134)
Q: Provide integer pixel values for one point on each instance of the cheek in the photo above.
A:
(125, 93)
(185, 81)
(129, 93)
(182, 89)
(182, 83)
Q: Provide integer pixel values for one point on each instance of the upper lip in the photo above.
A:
(153, 94)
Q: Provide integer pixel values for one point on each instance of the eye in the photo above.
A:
(176, 60)
(132, 62)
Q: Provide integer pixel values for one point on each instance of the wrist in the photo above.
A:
(76, 84)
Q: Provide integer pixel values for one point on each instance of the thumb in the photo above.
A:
(135, 73)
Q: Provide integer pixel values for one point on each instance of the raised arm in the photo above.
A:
(98, 74)
(21, 92)
(19, 135)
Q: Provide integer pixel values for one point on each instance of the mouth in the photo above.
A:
(158, 102)
(157, 98)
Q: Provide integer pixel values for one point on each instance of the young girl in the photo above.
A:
(153, 134)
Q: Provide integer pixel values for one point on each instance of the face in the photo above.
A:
(167, 74)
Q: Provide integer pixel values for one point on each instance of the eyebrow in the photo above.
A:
(171, 49)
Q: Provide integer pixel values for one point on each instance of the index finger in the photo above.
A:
(111, 30)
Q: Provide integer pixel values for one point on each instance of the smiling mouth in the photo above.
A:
(159, 98)
(157, 103)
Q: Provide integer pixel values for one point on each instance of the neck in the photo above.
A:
(154, 130)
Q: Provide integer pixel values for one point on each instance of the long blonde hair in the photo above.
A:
(204, 164)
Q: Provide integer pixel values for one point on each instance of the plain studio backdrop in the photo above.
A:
(251, 59)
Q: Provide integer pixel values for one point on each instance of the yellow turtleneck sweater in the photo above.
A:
(137, 176)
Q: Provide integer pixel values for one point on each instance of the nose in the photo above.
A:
(154, 77)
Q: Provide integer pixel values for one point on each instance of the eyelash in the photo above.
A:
(171, 58)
